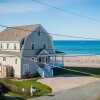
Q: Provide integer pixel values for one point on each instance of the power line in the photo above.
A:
(53, 66)
(51, 33)
(67, 11)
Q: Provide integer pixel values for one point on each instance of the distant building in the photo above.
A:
(29, 50)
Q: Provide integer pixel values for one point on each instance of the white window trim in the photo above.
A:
(34, 45)
(1, 45)
(16, 60)
(39, 29)
(4, 59)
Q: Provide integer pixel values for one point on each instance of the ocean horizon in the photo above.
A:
(77, 46)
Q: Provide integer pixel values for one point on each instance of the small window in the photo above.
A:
(1, 46)
(33, 59)
(4, 58)
(7, 45)
(39, 32)
(40, 60)
(14, 46)
(32, 46)
(44, 45)
(16, 61)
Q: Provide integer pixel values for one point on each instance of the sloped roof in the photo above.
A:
(42, 52)
(10, 53)
(17, 33)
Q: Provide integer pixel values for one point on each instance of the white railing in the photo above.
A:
(40, 71)
(49, 70)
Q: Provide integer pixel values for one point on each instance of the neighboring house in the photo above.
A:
(29, 50)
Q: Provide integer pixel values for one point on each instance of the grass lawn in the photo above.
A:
(26, 84)
(59, 71)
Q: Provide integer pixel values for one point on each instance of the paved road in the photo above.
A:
(87, 92)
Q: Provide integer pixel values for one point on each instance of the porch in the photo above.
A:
(53, 60)
(45, 63)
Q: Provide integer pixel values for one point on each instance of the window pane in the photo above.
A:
(32, 46)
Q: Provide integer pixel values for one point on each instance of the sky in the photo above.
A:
(27, 12)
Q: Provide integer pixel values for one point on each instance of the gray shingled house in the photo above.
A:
(29, 50)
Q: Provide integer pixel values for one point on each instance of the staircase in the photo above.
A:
(44, 72)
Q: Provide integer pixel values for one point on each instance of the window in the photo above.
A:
(16, 61)
(33, 59)
(40, 60)
(14, 46)
(7, 45)
(39, 32)
(44, 45)
(32, 46)
(1, 46)
(4, 58)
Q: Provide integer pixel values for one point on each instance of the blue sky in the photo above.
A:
(25, 12)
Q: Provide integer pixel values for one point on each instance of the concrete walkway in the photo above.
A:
(87, 92)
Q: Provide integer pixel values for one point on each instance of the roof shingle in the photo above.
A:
(17, 33)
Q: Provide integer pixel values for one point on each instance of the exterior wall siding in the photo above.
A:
(38, 43)
(11, 46)
(11, 61)
(32, 66)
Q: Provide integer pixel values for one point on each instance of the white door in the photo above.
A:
(25, 68)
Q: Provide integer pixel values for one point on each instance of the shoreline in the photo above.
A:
(78, 60)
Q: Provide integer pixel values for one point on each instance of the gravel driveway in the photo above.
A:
(66, 82)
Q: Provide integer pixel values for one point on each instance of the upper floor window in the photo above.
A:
(14, 46)
(39, 31)
(16, 61)
(7, 45)
(4, 58)
(33, 46)
(1, 46)
(44, 46)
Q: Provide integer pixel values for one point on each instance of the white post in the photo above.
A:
(52, 72)
(62, 60)
(53, 61)
(43, 74)
(45, 61)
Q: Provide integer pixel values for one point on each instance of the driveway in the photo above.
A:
(87, 92)
(66, 82)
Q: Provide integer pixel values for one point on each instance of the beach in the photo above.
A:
(82, 60)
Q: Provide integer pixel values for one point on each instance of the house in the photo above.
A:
(28, 50)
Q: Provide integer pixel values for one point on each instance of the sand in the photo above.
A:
(82, 60)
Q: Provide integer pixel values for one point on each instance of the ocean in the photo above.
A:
(77, 46)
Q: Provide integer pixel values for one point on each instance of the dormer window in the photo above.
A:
(1, 46)
(39, 31)
(7, 45)
(14, 46)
